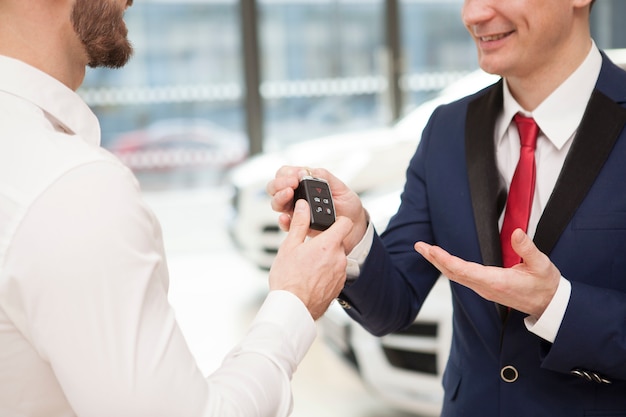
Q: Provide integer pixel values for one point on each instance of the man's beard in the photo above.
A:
(100, 27)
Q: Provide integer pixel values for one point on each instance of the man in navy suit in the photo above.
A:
(546, 336)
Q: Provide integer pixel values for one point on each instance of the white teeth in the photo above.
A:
(491, 38)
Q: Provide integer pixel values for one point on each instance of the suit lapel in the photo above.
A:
(487, 193)
(601, 125)
(599, 129)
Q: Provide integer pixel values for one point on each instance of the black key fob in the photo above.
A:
(317, 193)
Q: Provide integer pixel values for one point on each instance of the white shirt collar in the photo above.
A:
(559, 115)
(61, 105)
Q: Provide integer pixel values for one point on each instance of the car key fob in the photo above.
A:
(317, 193)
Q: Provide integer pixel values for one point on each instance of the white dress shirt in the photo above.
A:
(85, 324)
(558, 118)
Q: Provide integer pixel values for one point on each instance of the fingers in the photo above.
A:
(282, 191)
(520, 241)
(300, 221)
(284, 222)
(481, 279)
(299, 224)
(282, 187)
(288, 177)
(442, 260)
(527, 287)
(282, 200)
(424, 249)
(314, 269)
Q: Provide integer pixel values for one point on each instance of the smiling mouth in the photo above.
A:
(492, 38)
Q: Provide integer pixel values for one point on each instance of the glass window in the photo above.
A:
(183, 82)
(607, 23)
(321, 67)
(324, 70)
(436, 47)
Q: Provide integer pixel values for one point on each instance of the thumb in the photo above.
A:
(300, 222)
(523, 245)
(340, 229)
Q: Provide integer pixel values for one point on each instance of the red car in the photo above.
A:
(170, 144)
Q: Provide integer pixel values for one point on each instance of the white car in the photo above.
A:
(364, 160)
(402, 368)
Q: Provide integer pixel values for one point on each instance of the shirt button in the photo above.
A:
(509, 374)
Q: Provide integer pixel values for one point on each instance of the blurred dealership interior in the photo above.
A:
(216, 85)
(275, 72)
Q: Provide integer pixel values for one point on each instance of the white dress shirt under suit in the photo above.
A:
(85, 324)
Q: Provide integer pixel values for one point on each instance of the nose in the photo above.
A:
(477, 11)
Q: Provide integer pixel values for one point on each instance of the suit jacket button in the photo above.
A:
(343, 303)
(509, 374)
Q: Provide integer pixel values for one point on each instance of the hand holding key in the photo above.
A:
(346, 202)
(312, 269)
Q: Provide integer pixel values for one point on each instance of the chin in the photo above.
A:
(492, 66)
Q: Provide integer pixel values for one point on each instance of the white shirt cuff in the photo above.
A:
(286, 310)
(547, 326)
(357, 256)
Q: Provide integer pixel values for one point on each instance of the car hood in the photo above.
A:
(357, 158)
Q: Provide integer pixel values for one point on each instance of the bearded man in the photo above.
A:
(85, 325)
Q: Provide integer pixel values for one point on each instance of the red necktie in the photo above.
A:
(520, 199)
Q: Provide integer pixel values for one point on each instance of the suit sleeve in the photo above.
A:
(395, 279)
(592, 336)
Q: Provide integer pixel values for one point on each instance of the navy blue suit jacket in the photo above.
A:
(453, 198)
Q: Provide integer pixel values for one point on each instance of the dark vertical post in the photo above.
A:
(394, 57)
(252, 75)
